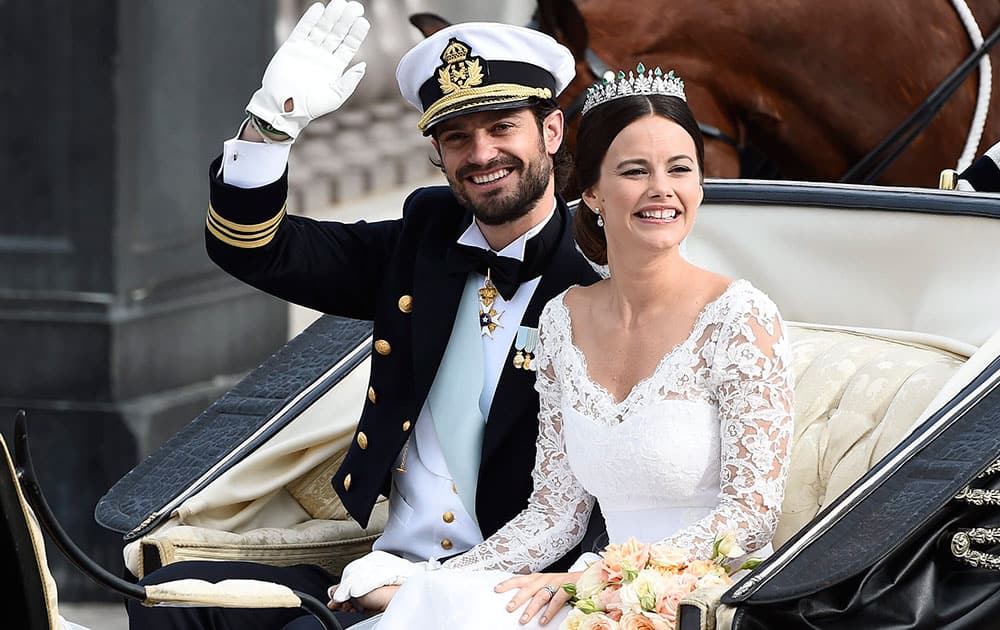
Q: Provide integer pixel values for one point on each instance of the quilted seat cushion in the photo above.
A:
(856, 396)
(329, 543)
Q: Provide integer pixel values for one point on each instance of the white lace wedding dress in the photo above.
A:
(697, 448)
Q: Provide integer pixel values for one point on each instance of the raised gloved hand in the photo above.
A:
(308, 75)
(374, 570)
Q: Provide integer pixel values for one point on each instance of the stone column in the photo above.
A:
(116, 328)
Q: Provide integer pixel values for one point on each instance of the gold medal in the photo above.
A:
(518, 359)
(489, 318)
(524, 342)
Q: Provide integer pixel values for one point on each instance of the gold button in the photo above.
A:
(382, 347)
(347, 482)
(406, 425)
(454, 488)
(446, 543)
(362, 440)
(406, 303)
(448, 517)
(371, 394)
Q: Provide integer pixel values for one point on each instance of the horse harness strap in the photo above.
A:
(873, 164)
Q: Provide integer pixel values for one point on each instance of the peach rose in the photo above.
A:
(636, 621)
(610, 598)
(699, 568)
(667, 606)
(629, 556)
(667, 559)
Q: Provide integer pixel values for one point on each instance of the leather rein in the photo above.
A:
(873, 164)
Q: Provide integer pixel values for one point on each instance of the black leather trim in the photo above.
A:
(853, 197)
(227, 428)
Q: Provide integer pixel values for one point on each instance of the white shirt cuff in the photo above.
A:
(253, 164)
(584, 561)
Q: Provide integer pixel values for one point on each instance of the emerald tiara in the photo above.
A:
(641, 82)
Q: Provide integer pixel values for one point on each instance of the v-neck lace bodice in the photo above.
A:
(698, 447)
(619, 408)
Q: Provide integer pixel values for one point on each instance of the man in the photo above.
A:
(454, 288)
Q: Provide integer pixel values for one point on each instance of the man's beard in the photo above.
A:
(502, 206)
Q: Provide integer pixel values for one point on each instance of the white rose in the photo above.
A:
(573, 620)
(591, 582)
(713, 579)
(729, 547)
(642, 593)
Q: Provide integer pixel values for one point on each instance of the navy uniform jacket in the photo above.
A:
(392, 273)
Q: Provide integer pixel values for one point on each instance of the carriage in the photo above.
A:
(892, 514)
(893, 300)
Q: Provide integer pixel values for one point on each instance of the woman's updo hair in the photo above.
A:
(598, 129)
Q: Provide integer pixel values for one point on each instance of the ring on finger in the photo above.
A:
(551, 590)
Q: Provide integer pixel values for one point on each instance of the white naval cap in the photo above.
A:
(478, 66)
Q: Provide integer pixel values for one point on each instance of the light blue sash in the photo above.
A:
(454, 397)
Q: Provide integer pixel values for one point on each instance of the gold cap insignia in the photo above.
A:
(459, 71)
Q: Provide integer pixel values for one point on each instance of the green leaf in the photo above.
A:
(715, 548)
(751, 563)
(571, 589)
(589, 605)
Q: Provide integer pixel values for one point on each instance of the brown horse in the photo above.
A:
(812, 85)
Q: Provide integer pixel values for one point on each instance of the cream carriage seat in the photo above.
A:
(857, 394)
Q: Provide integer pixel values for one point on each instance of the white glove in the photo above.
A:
(375, 570)
(309, 68)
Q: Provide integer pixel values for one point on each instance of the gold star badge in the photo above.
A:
(489, 318)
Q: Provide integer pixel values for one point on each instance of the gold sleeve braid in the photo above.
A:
(240, 235)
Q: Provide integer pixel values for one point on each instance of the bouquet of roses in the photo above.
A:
(638, 587)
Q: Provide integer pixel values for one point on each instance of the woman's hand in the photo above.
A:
(540, 590)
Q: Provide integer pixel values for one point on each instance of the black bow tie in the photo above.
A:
(503, 271)
(506, 273)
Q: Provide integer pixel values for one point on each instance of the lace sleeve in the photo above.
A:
(751, 370)
(559, 508)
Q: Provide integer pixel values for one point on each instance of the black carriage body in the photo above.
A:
(267, 400)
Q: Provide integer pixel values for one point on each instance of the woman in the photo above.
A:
(665, 388)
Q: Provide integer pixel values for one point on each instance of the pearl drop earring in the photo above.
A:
(600, 219)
